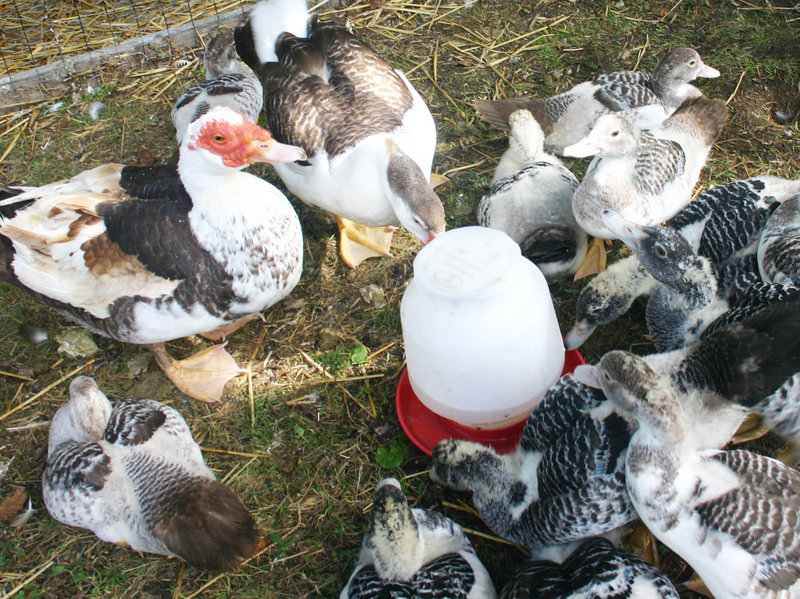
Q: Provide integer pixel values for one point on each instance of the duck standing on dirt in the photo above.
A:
(645, 175)
(415, 553)
(132, 474)
(531, 201)
(724, 223)
(203, 256)
(645, 99)
(368, 134)
(733, 516)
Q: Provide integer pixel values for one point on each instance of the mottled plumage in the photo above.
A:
(644, 99)
(597, 570)
(563, 483)
(779, 247)
(368, 134)
(646, 175)
(415, 553)
(133, 475)
(229, 82)
(733, 516)
(688, 300)
(531, 200)
(188, 256)
(723, 223)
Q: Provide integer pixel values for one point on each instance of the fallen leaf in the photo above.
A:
(12, 504)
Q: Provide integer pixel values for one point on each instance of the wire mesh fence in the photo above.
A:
(46, 44)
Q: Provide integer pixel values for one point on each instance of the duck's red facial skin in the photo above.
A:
(243, 143)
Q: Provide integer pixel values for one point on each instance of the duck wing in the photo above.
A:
(658, 163)
(760, 514)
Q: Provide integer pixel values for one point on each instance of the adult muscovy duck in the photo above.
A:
(369, 135)
(132, 474)
(146, 260)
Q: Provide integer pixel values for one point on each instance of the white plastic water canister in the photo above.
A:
(481, 336)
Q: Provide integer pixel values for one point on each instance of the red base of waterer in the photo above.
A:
(426, 428)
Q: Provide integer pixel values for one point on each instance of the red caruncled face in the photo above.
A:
(236, 144)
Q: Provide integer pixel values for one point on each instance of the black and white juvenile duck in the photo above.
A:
(145, 260)
(645, 175)
(734, 516)
(688, 302)
(413, 552)
(779, 247)
(563, 483)
(531, 200)
(596, 569)
(229, 82)
(368, 135)
(723, 223)
(645, 99)
(132, 474)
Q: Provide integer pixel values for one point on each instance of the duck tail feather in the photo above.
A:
(209, 527)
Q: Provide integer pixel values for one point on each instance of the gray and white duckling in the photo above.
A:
(368, 134)
(563, 483)
(779, 247)
(229, 82)
(733, 516)
(413, 552)
(687, 302)
(531, 200)
(132, 474)
(646, 99)
(723, 223)
(596, 569)
(645, 175)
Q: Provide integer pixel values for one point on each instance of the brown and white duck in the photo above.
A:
(645, 99)
(645, 175)
(132, 474)
(145, 260)
(368, 134)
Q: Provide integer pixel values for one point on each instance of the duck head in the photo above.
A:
(227, 139)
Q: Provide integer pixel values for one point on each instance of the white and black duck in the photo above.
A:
(368, 134)
(229, 82)
(413, 552)
(723, 223)
(734, 516)
(133, 475)
(645, 175)
(144, 258)
(531, 200)
(563, 483)
(688, 302)
(597, 570)
(779, 247)
(646, 99)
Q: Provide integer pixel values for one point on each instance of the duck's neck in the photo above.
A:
(79, 422)
(398, 548)
(674, 93)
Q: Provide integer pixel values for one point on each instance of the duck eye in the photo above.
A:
(615, 133)
(692, 63)
(607, 376)
(219, 138)
(661, 252)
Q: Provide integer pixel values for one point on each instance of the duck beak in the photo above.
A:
(626, 231)
(579, 333)
(587, 374)
(269, 150)
(707, 71)
(581, 149)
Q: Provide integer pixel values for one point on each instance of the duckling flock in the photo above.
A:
(149, 254)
